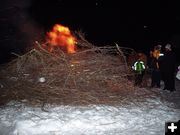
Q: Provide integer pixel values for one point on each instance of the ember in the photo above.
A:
(61, 36)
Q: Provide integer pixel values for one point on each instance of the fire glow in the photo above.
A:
(61, 36)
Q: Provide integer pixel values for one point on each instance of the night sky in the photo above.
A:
(129, 23)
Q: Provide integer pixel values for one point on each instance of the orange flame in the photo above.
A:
(61, 36)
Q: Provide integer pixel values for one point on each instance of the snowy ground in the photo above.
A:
(140, 117)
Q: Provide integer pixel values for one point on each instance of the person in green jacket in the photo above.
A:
(139, 68)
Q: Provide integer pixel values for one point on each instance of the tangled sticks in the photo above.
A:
(92, 75)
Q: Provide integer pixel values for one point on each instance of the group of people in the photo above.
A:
(161, 65)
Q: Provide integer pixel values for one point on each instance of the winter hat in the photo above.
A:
(159, 47)
(168, 46)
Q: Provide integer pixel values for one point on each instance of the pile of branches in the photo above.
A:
(92, 75)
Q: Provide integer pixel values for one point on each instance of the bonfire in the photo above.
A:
(68, 70)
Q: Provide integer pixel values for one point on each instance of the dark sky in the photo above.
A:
(130, 23)
(108, 21)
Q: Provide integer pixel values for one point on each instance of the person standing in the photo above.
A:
(139, 68)
(167, 68)
(154, 66)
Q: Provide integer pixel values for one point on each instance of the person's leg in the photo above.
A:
(136, 79)
(158, 79)
(139, 79)
(143, 79)
(167, 81)
(153, 77)
(163, 75)
(171, 82)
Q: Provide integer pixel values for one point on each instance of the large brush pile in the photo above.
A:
(92, 75)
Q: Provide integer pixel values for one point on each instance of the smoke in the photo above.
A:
(18, 29)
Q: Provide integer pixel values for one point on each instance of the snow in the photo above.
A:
(142, 116)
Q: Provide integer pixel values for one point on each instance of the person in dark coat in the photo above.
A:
(167, 68)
